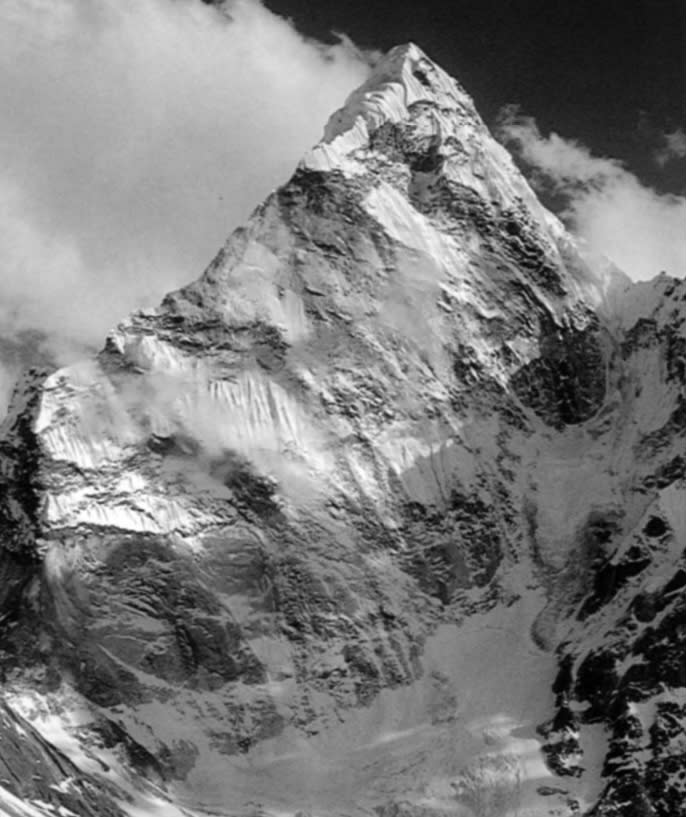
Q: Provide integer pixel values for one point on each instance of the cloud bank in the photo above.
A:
(136, 134)
(639, 229)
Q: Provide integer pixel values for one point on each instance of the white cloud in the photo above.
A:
(136, 134)
(641, 230)
(673, 147)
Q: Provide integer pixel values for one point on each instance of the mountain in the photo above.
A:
(382, 515)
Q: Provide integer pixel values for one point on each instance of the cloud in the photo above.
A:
(136, 134)
(673, 147)
(639, 229)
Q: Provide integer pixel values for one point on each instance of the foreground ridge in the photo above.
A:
(382, 515)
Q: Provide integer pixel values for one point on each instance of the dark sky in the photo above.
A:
(610, 73)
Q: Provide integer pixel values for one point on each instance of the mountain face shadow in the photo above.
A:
(565, 385)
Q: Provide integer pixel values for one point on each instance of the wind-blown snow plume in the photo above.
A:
(640, 229)
(136, 134)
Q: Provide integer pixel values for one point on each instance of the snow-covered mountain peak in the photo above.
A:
(404, 77)
(411, 132)
(402, 81)
(316, 535)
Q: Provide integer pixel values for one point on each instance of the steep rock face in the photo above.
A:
(623, 653)
(318, 533)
